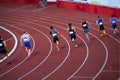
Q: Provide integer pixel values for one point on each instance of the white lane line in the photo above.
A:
(9, 39)
(79, 77)
(111, 71)
(15, 45)
(22, 60)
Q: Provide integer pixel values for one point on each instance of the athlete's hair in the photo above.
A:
(51, 27)
(83, 20)
(98, 16)
(1, 38)
(112, 15)
(24, 31)
(70, 25)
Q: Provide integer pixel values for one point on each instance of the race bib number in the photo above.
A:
(100, 23)
(113, 21)
(54, 35)
(84, 25)
(71, 32)
(1, 44)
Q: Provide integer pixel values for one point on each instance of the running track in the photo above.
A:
(99, 60)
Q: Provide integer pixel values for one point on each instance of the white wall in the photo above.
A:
(109, 3)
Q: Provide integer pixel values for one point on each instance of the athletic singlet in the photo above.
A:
(71, 31)
(1, 44)
(53, 33)
(25, 37)
(113, 20)
(84, 25)
(99, 21)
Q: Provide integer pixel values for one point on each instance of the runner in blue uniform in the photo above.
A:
(86, 29)
(53, 33)
(113, 23)
(101, 26)
(72, 33)
(25, 39)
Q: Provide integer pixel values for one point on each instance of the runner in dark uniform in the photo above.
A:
(3, 51)
(53, 33)
(101, 26)
(72, 33)
(86, 29)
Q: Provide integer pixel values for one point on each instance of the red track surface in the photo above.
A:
(98, 60)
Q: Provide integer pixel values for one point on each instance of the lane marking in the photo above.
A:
(111, 71)
(79, 77)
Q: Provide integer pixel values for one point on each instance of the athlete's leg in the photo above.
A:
(57, 45)
(87, 36)
(28, 49)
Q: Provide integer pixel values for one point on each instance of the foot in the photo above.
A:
(76, 46)
(101, 34)
(28, 56)
(89, 41)
(9, 62)
(58, 49)
(26, 50)
(114, 32)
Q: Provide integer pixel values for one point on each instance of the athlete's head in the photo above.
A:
(83, 19)
(24, 32)
(51, 27)
(70, 25)
(112, 15)
(1, 38)
(98, 16)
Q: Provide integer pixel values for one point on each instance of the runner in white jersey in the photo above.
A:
(25, 39)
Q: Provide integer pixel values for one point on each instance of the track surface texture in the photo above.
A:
(98, 60)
